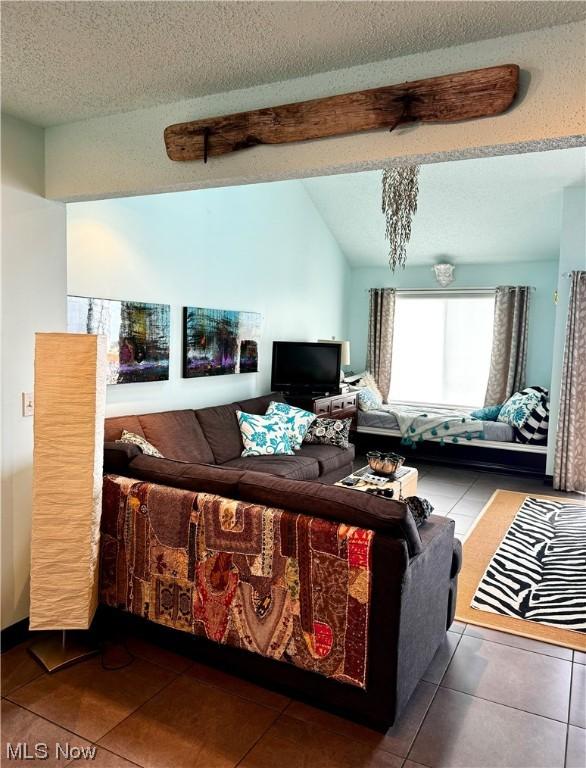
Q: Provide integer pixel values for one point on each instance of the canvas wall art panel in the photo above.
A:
(138, 335)
(219, 341)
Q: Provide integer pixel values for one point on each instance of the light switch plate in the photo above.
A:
(28, 405)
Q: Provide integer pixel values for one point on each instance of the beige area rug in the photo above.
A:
(480, 545)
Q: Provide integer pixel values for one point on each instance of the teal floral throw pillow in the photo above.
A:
(488, 413)
(296, 421)
(518, 408)
(263, 435)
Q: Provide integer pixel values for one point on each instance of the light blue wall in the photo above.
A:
(572, 257)
(542, 275)
(262, 248)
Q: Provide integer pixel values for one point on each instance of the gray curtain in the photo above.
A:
(380, 337)
(569, 471)
(509, 343)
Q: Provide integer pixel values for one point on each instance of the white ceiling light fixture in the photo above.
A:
(400, 187)
(444, 274)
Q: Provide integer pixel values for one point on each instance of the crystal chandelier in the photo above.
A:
(399, 203)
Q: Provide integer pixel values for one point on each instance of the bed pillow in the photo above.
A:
(329, 432)
(368, 395)
(536, 426)
(367, 399)
(147, 448)
(263, 435)
(489, 413)
(295, 420)
(368, 380)
(518, 407)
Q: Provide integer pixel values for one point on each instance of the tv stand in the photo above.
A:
(327, 406)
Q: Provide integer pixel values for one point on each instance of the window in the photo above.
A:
(441, 348)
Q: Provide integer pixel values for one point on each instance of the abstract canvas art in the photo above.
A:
(138, 336)
(219, 341)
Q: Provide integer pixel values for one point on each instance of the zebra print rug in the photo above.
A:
(538, 572)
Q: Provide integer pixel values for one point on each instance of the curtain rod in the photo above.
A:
(446, 290)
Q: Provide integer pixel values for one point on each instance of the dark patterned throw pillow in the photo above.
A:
(420, 508)
(329, 432)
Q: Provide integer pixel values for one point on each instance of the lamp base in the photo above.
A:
(60, 650)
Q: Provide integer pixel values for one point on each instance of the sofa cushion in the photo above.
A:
(221, 430)
(115, 426)
(177, 435)
(292, 467)
(117, 456)
(332, 502)
(259, 405)
(329, 457)
(456, 559)
(192, 477)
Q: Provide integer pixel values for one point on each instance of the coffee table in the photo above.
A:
(404, 483)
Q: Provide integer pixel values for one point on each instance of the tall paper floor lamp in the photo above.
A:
(69, 409)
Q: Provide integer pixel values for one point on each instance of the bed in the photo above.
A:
(493, 430)
(498, 449)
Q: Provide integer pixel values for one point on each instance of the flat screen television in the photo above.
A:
(303, 366)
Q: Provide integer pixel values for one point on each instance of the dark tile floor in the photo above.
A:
(488, 699)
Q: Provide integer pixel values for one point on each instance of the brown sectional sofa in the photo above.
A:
(212, 436)
(413, 571)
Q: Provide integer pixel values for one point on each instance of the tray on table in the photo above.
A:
(403, 482)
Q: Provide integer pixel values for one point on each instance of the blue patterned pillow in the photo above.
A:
(518, 408)
(263, 435)
(489, 413)
(368, 400)
(296, 421)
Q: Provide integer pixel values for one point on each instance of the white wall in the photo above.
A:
(572, 257)
(33, 299)
(261, 248)
(124, 154)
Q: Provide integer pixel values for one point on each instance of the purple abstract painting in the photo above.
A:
(219, 341)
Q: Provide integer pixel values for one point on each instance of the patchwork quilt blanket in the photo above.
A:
(283, 585)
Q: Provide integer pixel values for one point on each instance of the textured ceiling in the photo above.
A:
(66, 61)
(472, 211)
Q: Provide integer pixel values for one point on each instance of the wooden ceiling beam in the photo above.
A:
(449, 98)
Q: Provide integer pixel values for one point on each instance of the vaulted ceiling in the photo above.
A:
(66, 61)
(494, 209)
